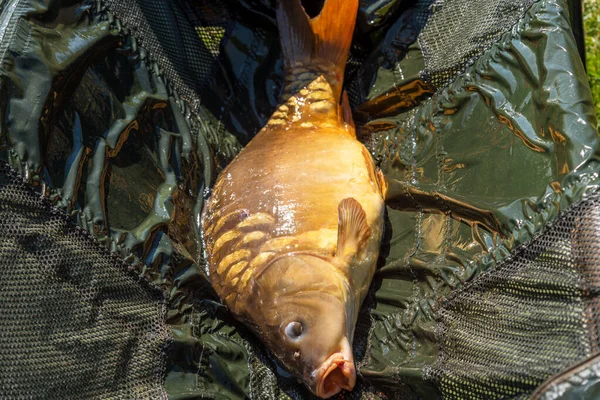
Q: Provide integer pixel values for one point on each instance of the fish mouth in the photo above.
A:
(336, 373)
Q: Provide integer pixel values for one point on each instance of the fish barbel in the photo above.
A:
(293, 227)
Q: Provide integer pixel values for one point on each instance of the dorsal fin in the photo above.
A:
(353, 230)
(347, 111)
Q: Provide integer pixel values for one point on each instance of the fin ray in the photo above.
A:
(353, 230)
(322, 42)
(347, 112)
(295, 31)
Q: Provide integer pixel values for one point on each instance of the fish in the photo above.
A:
(293, 225)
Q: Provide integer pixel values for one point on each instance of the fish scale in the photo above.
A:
(245, 249)
(316, 96)
(294, 223)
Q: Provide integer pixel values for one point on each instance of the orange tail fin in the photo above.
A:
(316, 46)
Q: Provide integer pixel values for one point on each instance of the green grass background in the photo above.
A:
(591, 25)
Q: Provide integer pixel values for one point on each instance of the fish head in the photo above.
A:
(306, 317)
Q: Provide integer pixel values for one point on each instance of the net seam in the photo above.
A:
(517, 251)
(513, 31)
(521, 255)
(53, 210)
(432, 109)
(154, 292)
(191, 101)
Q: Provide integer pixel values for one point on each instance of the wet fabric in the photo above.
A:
(506, 325)
(581, 381)
(478, 113)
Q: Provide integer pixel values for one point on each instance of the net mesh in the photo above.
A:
(499, 335)
(449, 43)
(74, 323)
(185, 49)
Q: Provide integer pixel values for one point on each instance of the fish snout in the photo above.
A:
(336, 373)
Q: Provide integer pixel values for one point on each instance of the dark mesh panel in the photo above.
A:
(73, 322)
(163, 29)
(210, 23)
(458, 31)
(499, 335)
(586, 254)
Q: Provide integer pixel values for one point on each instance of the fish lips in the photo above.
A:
(336, 373)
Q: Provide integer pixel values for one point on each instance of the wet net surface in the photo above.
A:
(536, 313)
(449, 46)
(157, 87)
(186, 50)
(74, 323)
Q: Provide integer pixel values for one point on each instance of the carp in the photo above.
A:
(293, 226)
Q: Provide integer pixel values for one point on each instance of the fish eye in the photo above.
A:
(293, 330)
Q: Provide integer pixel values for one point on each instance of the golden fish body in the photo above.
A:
(293, 229)
(281, 195)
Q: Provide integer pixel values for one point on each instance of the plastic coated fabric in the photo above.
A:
(581, 381)
(110, 122)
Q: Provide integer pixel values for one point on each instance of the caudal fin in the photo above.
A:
(316, 46)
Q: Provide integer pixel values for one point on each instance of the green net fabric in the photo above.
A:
(116, 117)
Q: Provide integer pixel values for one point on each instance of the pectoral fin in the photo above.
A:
(353, 230)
